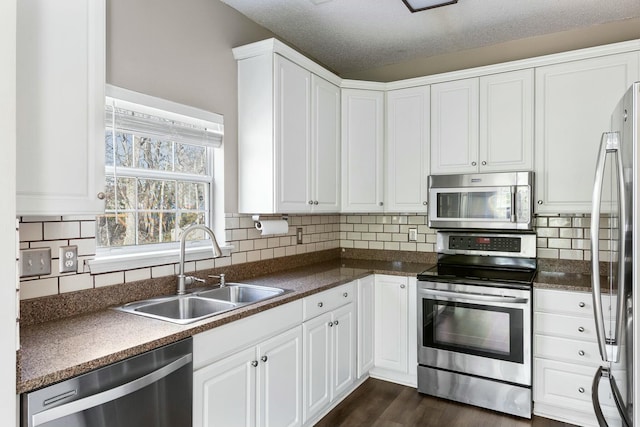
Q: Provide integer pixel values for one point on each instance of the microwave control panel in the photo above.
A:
(485, 243)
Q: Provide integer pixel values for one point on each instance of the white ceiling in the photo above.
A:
(354, 35)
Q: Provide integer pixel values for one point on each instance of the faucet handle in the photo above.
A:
(221, 277)
(190, 280)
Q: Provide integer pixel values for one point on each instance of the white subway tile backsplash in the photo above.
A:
(30, 232)
(138, 274)
(163, 270)
(38, 288)
(75, 282)
(61, 230)
(108, 279)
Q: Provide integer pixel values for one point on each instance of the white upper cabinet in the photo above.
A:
(288, 136)
(454, 127)
(325, 146)
(362, 150)
(407, 149)
(506, 122)
(574, 102)
(483, 124)
(60, 107)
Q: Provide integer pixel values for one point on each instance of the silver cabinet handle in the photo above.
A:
(581, 390)
(473, 163)
(402, 286)
(345, 294)
(484, 163)
(264, 358)
(315, 202)
(109, 395)
(330, 324)
(424, 203)
(320, 304)
(581, 304)
(380, 203)
(310, 202)
(540, 202)
(335, 323)
(580, 329)
(254, 363)
(581, 353)
(101, 195)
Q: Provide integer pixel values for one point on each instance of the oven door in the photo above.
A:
(477, 330)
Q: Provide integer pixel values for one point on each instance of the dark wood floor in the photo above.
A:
(382, 404)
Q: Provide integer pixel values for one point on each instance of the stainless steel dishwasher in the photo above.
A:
(153, 389)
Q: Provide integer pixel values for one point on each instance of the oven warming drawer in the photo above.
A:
(508, 398)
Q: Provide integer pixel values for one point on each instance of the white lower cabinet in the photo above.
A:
(249, 372)
(566, 358)
(329, 349)
(395, 329)
(366, 302)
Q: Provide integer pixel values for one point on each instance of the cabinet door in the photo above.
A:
(365, 325)
(362, 150)
(60, 107)
(391, 299)
(506, 121)
(325, 153)
(224, 392)
(280, 380)
(344, 349)
(316, 365)
(454, 127)
(292, 89)
(574, 102)
(407, 149)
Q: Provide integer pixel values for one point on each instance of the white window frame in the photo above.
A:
(131, 257)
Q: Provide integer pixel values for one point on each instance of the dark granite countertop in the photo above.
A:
(60, 349)
(57, 350)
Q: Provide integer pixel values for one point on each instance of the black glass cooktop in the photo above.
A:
(503, 270)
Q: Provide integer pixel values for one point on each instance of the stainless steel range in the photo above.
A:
(474, 320)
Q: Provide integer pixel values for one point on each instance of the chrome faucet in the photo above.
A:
(223, 283)
(183, 280)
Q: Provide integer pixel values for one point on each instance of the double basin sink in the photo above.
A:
(183, 309)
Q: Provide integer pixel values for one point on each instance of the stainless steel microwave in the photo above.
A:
(500, 200)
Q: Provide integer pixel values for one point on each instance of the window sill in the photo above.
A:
(112, 263)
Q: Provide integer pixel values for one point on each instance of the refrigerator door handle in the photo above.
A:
(623, 222)
(608, 143)
(595, 398)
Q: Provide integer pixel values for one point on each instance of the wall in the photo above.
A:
(8, 408)
(181, 51)
(565, 238)
(510, 51)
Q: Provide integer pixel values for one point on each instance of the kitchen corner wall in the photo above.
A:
(565, 238)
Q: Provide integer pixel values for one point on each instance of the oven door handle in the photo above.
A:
(475, 297)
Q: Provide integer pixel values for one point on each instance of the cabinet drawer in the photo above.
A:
(560, 325)
(576, 303)
(567, 350)
(568, 385)
(326, 301)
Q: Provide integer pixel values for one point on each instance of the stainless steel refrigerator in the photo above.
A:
(614, 254)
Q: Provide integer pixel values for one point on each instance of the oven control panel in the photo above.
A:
(485, 243)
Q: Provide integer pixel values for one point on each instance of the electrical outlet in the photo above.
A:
(35, 262)
(413, 234)
(68, 259)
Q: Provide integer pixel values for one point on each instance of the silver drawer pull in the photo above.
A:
(335, 323)
(320, 304)
(580, 329)
(402, 286)
(581, 390)
(264, 358)
(254, 363)
(581, 353)
(581, 304)
(345, 295)
(330, 324)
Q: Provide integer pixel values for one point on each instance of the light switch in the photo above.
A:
(35, 262)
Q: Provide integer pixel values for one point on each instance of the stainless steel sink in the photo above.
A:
(179, 308)
(241, 293)
(190, 308)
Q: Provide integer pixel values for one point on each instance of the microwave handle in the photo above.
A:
(513, 203)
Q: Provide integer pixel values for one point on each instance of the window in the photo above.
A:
(159, 168)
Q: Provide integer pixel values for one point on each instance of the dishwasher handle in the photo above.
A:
(106, 396)
(475, 297)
